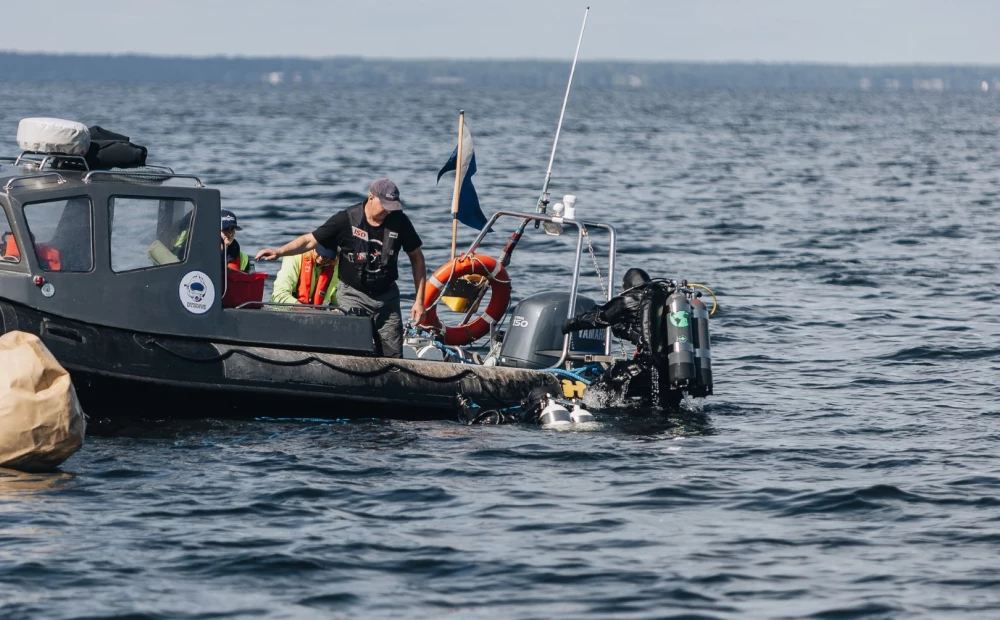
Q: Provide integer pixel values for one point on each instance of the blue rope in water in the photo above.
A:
(597, 368)
(448, 351)
(568, 373)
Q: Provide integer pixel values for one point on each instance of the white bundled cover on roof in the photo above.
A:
(53, 135)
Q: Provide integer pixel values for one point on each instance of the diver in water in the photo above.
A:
(624, 315)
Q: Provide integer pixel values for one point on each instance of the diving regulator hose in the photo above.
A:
(715, 300)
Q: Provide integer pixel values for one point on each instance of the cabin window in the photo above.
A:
(9, 252)
(149, 232)
(62, 232)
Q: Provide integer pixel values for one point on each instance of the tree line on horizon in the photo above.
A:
(22, 67)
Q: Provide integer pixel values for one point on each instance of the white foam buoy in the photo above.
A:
(554, 414)
(41, 422)
(580, 415)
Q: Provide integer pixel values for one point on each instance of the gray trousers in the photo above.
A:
(384, 310)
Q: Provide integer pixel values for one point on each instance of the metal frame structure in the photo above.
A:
(580, 226)
(90, 176)
(25, 158)
(60, 179)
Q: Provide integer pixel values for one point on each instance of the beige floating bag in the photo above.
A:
(41, 422)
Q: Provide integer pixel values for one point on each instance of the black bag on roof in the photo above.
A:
(112, 150)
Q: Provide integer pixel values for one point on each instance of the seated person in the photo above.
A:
(235, 258)
(309, 278)
(48, 256)
(181, 230)
(70, 246)
(8, 248)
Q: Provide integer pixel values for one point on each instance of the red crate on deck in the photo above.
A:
(243, 287)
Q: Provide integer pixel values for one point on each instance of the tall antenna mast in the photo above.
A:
(543, 201)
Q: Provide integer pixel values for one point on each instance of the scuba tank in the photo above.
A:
(681, 368)
(702, 348)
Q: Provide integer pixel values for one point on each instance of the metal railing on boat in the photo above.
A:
(581, 227)
(60, 179)
(152, 176)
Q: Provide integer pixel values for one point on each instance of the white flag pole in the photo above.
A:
(458, 184)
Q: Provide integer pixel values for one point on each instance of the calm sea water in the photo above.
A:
(845, 468)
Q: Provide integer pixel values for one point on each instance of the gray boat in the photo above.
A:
(128, 287)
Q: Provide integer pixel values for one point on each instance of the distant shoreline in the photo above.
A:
(356, 71)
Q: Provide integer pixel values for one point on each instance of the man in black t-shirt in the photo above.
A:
(369, 236)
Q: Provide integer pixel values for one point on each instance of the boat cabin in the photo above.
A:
(139, 250)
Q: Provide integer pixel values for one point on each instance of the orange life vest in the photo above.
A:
(48, 256)
(305, 281)
(11, 248)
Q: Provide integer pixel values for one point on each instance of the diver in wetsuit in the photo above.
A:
(624, 315)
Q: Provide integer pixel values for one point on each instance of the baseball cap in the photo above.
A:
(387, 194)
(229, 220)
(326, 252)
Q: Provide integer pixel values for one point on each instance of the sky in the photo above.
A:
(824, 31)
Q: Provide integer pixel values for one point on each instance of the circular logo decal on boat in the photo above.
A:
(197, 292)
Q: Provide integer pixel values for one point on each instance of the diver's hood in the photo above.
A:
(634, 277)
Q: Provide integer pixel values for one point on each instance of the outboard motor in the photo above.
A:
(702, 348)
(534, 336)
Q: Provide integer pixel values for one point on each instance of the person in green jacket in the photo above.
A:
(309, 278)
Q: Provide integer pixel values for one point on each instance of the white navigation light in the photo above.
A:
(53, 135)
(569, 207)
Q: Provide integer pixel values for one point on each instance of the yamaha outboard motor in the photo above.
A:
(702, 348)
(534, 336)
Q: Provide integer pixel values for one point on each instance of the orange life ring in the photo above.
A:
(464, 266)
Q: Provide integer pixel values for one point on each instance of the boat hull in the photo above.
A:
(119, 372)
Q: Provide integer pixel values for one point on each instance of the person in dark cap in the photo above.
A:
(235, 258)
(369, 236)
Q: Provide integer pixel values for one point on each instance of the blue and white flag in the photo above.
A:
(469, 211)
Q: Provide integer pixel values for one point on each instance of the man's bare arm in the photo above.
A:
(419, 281)
(299, 246)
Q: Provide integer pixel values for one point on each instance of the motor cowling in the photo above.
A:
(702, 349)
(534, 337)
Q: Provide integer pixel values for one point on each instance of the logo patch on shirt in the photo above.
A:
(360, 234)
(361, 256)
